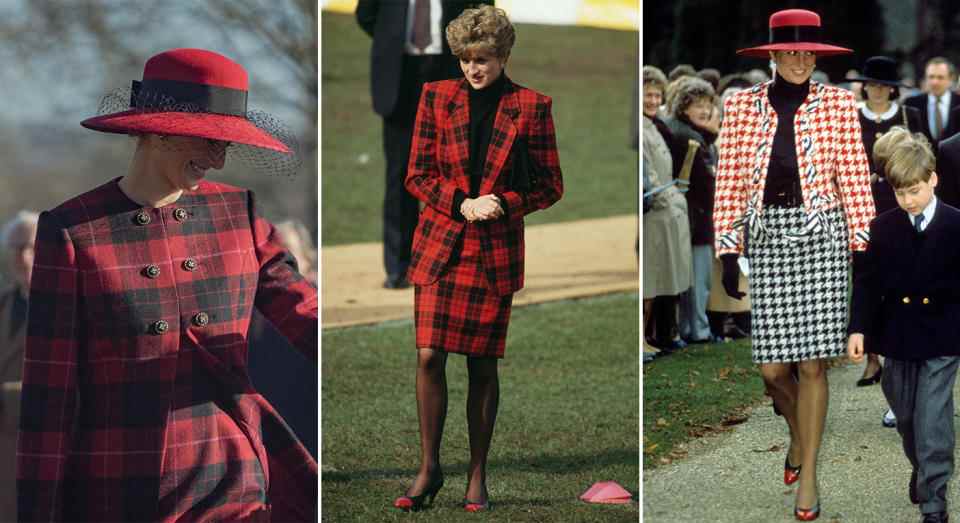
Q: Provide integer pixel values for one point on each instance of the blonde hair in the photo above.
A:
(884, 146)
(910, 161)
(484, 29)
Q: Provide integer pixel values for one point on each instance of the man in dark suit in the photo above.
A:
(905, 308)
(409, 49)
(940, 75)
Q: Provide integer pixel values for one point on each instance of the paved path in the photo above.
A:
(733, 478)
(563, 260)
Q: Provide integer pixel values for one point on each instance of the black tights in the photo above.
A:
(483, 398)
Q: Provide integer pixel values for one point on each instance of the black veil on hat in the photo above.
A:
(202, 94)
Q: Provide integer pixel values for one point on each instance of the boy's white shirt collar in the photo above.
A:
(927, 213)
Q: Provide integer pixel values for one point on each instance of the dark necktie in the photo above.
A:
(918, 222)
(421, 24)
(938, 118)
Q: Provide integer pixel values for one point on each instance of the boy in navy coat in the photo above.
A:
(906, 307)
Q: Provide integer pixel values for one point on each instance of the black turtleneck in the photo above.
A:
(783, 176)
(483, 110)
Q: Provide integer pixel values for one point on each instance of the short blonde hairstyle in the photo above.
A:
(884, 146)
(484, 29)
(910, 160)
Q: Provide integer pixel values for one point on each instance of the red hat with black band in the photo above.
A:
(191, 92)
(794, 30)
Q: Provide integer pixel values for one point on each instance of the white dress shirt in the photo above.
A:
(436, 32)
(944, 112)
(927, 213)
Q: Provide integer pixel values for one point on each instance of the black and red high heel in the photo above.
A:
(790, 473)
(807, 514)
(416, 503)
(471, 506)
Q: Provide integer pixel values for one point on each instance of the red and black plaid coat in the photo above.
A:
(439, 166)
(136, 401)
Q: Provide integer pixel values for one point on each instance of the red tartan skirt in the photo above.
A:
(460, 312)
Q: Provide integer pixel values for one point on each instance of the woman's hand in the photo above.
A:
(855, 347)
(486, 207)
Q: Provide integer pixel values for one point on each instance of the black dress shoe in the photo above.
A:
(914, 498)
(396, 282)
(936, 517)
(866, 382)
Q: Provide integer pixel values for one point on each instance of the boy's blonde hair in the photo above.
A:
(905, 158)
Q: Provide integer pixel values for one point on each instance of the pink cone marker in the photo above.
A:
(606, 492)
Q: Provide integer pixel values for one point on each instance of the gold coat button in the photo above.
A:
(190, 264)
(160, 326)
(906, 299)
(143, 218)
(180, 214)
(926, 301)
(152, 271)
(200, 319)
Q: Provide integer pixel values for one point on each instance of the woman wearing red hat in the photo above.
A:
(137, 404)
(793, 197)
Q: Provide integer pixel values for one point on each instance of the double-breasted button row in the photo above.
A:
(925, 300)
(200, 319)
(153, 272)
(143, 217)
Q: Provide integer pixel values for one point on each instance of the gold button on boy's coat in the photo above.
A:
(926, 301)
(906, 299)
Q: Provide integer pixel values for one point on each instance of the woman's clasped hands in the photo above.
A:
(486, 207)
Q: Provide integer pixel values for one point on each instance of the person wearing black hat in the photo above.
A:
(878, 114)
(793, 195)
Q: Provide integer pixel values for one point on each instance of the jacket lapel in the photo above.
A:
(502, 138)
(458, 116)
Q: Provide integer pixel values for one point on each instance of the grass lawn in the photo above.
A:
(568, 417)
(589, 73)
(692, 393)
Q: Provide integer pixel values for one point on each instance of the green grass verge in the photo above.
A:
(568, 417)
(589, 73)
(692, 392)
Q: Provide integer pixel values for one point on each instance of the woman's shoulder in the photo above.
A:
(444, 87)
(832, 92)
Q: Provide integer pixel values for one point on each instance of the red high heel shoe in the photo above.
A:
(470, 506)
(416, 503)
(790, 473)
(807, 514)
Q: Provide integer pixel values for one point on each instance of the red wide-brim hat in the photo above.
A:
(190, 92)
(794, 30)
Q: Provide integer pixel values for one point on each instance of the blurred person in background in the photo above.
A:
(137, 403)
(470, 136)
(408, 50)
(690, 123)
(17, 242)
(667, 258)
(939, 106)
(680, 71)
(797, 213)
(278, 371)
(712, 76)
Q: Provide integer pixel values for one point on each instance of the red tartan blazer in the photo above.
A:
(127, 306)
(438, 168)
(833, 165)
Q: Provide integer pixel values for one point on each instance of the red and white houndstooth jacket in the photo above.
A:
(833, 165)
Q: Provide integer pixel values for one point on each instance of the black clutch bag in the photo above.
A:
(525, 172)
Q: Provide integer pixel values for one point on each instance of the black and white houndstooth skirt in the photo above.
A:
(798, 288)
